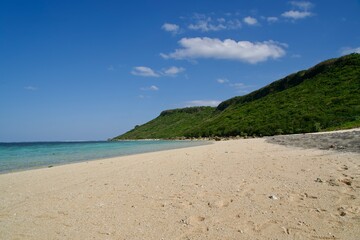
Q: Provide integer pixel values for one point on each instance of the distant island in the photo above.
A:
(324, 97)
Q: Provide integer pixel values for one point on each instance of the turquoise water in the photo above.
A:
(22, 156)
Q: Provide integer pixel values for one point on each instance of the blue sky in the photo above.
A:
(90, 70)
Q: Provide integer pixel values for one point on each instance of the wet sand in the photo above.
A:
(239, 189)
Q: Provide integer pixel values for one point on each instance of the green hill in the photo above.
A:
(324, 97)
(170, 123)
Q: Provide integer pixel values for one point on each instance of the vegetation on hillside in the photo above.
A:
(326, 96)
(170, 123)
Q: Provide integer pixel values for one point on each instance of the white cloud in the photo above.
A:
(173, 71)
(296, 14)
(151, 88)
(301, 12)
(212, 103)
(144, 72)
(250, 20)
(205, 26)
(205, 23)
(148, 72)
(272, 19)
(169, 27)
(347, 50)
(251, 52)
(222, 80)
(30, 88)
(302, 4)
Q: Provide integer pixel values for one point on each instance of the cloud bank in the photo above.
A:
(213, 48)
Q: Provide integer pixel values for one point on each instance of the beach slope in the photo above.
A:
(239, 189)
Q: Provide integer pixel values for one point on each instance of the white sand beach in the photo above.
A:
(238, 189)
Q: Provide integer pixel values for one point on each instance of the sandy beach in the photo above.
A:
(238, 189)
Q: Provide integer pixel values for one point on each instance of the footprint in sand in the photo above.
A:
(342, 211)
(219, 203)
(347, 181)
(336, 182)
(333, 182)
(342, 168)
(345, 210)
(192, 220)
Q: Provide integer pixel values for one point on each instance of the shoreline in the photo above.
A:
(98, 159)
(239, 189)
(304, 140)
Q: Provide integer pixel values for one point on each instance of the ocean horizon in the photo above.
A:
(19, 156)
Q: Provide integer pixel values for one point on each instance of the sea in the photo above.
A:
(31, 155)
